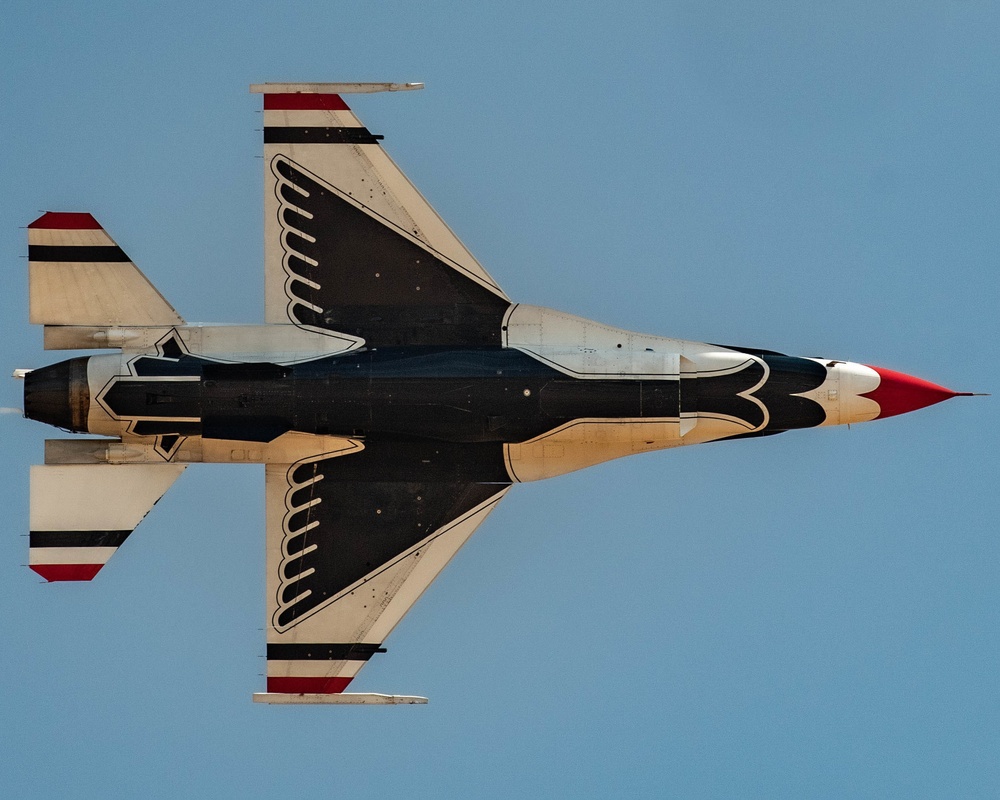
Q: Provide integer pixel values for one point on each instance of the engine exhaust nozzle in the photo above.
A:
(59, 395)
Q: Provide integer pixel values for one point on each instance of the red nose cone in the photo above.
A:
(898, 393)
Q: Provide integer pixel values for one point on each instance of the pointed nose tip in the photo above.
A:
(898, 393)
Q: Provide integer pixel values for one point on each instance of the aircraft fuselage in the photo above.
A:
(449, 394)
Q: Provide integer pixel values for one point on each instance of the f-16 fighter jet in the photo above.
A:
(394, 395)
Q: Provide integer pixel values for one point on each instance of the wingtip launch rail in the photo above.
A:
(342, 699)
(332, 88)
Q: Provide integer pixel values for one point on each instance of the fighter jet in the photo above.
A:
(394, 394)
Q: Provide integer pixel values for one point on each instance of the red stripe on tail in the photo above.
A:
(67, 572)
(66, 220)
(304, 101)
(307, 685)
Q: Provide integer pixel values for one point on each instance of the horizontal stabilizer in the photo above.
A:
(78, 275)
(343, 699)
(82, 513)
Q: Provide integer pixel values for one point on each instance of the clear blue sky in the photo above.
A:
(810, 615)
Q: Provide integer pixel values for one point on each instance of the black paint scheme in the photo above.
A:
(371, 280)
(482, 394)
(479, 394)
(376, 506)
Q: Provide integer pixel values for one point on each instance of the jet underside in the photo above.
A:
(394, 394)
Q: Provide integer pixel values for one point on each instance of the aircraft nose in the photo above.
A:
(898, 393)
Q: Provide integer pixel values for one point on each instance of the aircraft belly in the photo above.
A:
(468, 410)
(463, 395)
(394, 394)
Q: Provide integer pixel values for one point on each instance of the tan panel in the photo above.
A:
(585, 442)
(95, 293)
(95, 497)
(287, 448)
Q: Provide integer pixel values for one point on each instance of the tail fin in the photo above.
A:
(77, 275)
(82, 513)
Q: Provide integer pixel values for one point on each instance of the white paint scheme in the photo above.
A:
(342, 699)
(91, 293)
(583, 348)
(363, 174)
(91, 337)
(84, 497)
(276, 344)
(70, 237)
(855, 380)
(92, 498)
(38, 556)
